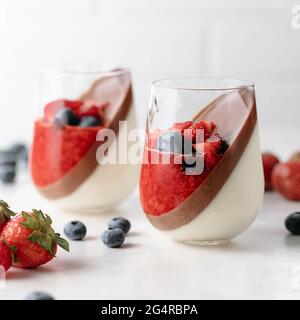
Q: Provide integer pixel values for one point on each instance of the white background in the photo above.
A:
(253, 40)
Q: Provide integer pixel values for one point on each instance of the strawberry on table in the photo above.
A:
(286, 179)
(5, 256)
(269, 162)
(32, 240)
(5, 214)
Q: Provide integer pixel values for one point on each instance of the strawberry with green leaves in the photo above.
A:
(5, 214)
(32, 240)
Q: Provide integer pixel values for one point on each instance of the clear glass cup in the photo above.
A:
(75, 105)
(202, 178)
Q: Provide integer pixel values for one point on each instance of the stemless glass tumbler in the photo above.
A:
(202, 178)
(76, 103)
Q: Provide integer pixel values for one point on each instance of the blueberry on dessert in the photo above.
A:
(75, 230)
(119, 223)
(66, 116)
(89, 121)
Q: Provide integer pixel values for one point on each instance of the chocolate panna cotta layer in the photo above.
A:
(236, 130)
(117, 110)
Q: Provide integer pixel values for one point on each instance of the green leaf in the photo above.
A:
(64, 244)
(5, 212)
(42, 232)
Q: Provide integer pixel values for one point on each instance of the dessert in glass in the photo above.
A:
(76, 104)
(202, 178)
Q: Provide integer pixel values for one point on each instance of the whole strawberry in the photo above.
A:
(5, 256)
(32, 240)
(286, 179)
(269, 162)
(5, 214)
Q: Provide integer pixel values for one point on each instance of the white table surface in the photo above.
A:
(262, 263)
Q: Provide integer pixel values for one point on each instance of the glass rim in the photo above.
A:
(82, 69)
(163, 84)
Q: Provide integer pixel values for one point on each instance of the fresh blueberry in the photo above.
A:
(292, 223)
(66, 116)
(174, 142)
(8, 158)
(223, 147)
(75, 230)
(89, 121)
(39, 295)
(113, 238)
(119, 223)
(7, 174)
(21, 150)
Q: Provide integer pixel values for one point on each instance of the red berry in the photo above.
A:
(5, 256)
(32, 240)
(207, 127)
(286, 179)
(5, 214)
(269, 162)
(181, 126)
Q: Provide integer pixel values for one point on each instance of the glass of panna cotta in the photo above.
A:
(82, 111)
(202, 179)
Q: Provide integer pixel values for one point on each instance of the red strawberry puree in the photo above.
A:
(164, 186)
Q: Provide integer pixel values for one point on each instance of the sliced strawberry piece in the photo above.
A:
(89, 108)
(207, 127)
(181, 126)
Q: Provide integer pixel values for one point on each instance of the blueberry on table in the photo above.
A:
(292, 223)
(119, 223)
(39, 295)
(8, 166)
(89, 121)
(113, 238)
(7, 174)
(66, 116)
(8, 158)
(75, 230)
(21, 150)
(174, 142)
